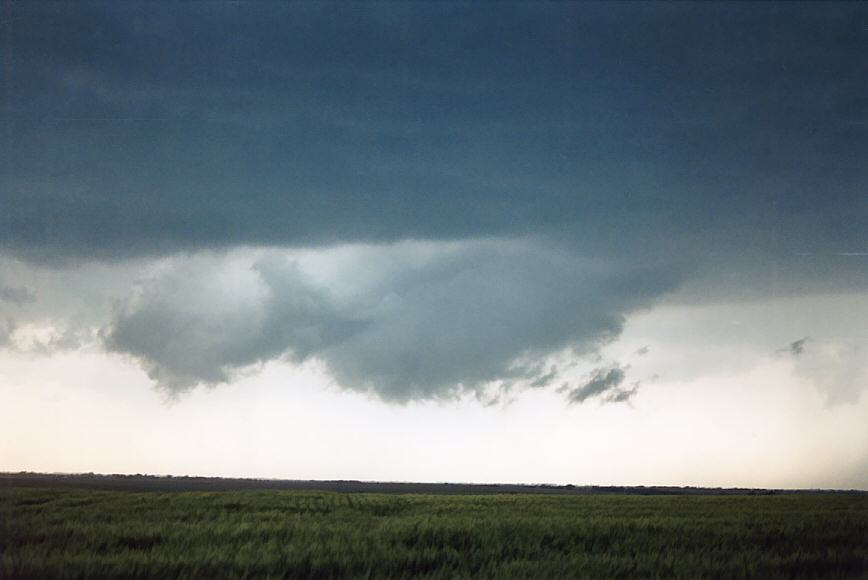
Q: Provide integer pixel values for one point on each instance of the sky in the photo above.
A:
(588, 243)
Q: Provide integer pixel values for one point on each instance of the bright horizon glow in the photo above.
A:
(761, 426)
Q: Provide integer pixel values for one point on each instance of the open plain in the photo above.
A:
(72, 530)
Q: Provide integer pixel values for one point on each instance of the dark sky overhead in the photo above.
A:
(142, 129)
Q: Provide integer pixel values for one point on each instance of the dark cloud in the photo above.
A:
(643, 351)
(604, 384)
(413, 323)
(585, 158)
(797, 347)
(706, 132)
(16, 294)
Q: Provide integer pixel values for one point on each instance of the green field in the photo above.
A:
(123, 534)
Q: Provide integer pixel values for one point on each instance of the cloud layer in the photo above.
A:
(145, 131)
(428, 198)
(406, 321)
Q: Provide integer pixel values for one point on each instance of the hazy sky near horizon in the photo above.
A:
(589, 243)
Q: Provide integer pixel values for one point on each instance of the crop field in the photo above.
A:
(70, 533)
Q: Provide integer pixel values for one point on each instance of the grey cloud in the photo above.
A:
(430, 323)
(544, 380)
(16, 294)
(623, 395)
(201, 322)
(212, 125)
(604, 383)
(634, 165)
(643, 351)
(67, 339)
(797, 347)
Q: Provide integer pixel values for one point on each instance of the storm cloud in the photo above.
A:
(427, 198)
(405, 322)
(707, 131)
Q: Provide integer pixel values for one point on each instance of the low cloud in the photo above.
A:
(16, 294)
(622, 395)
(546, 379)
(604, 384)
(797, 347)
(62, 340)
(406, 321)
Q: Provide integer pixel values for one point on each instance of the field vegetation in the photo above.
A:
(64, 533)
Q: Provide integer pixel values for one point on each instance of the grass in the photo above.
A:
(288, 534)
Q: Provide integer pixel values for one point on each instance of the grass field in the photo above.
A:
(61, 533)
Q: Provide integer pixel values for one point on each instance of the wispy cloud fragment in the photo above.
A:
(606, 384)
(795, 348)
